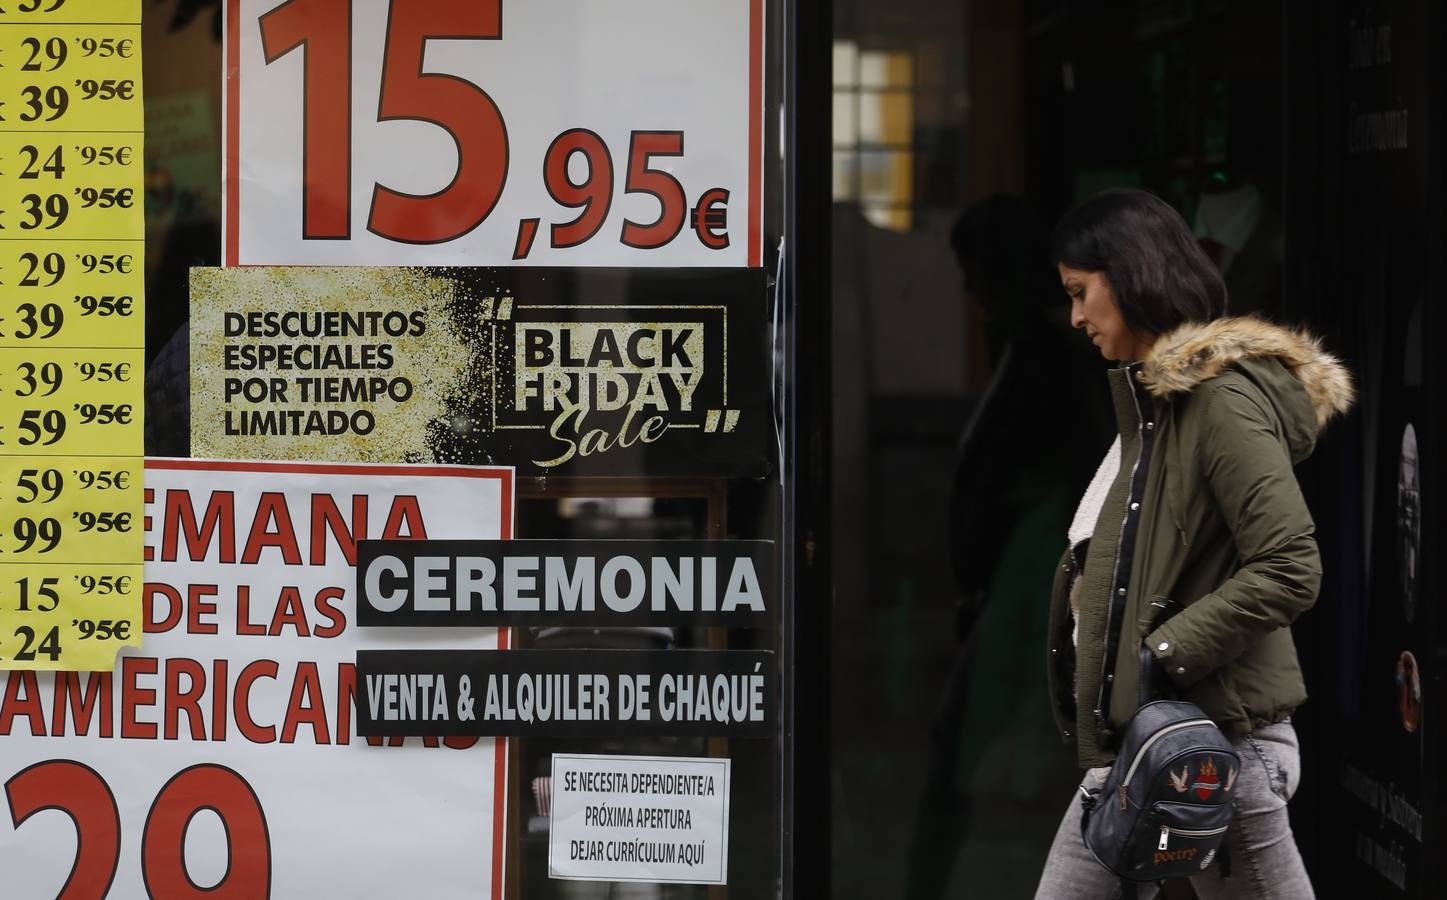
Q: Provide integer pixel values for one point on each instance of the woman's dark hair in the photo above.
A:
(1160, 276)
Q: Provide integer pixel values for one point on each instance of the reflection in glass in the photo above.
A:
(886, 176)
(846, 62)
(846, 174)
(886, 69)
(885, 117)
(895, 218)
(846, 123)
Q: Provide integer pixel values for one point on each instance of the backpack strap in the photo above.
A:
(1147, 667)
(1088, 802)
(1148, 660)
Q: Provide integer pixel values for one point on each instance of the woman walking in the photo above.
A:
(1193, 539)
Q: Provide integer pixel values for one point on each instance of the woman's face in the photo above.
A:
(1093, 307)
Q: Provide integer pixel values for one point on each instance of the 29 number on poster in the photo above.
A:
(82, 794)
(321, 30)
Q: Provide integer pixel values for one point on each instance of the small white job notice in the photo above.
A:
(639, 818)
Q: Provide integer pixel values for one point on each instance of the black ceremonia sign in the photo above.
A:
(566, 583)
(566, 693)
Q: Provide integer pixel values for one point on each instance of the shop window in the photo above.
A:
(875, 98)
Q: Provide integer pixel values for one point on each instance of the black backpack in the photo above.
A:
(1166, 804)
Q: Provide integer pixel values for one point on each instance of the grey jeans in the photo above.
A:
(1263, 856)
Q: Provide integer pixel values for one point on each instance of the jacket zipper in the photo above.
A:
(1115, 578)
(1151, 741)
(1167, 831)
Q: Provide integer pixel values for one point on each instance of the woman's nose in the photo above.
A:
(1077, 316)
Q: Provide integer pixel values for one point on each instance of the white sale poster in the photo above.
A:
(220, 759)
(494, 132)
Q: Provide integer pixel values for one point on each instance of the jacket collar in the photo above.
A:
(1132, 400)
(1199, 351)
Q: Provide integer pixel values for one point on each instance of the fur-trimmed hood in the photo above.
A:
(1198, 352)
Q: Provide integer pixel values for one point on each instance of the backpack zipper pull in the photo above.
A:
(1165, 837)
(1123, 789)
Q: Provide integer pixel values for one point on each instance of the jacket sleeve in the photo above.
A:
(1248, 470)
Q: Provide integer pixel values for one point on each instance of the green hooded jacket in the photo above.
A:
(1204, 551)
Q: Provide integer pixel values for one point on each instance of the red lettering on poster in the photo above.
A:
(270, 509)
(187, 700)
(326, 605)
(179, 522)
(327, 519)
(261, 668)
(17, 704)
(133, 696)
(174, 606)
(98, 695)
(80, 793)
(272, 525)
(289, 611)
(196, 607)
(305, 707)
(244, 625)
(163, 843)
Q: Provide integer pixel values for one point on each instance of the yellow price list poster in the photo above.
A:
(68, 616)
(71, 402)
(72, 332)
(75, 186)
(72, 293)
(72, 78)
(70, 509)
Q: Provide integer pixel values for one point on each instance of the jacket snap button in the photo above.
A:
(1135, 506)
(1109, 678)
(1120, 591)
(1163, 646)
(1150, 426)
(1181, 670)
